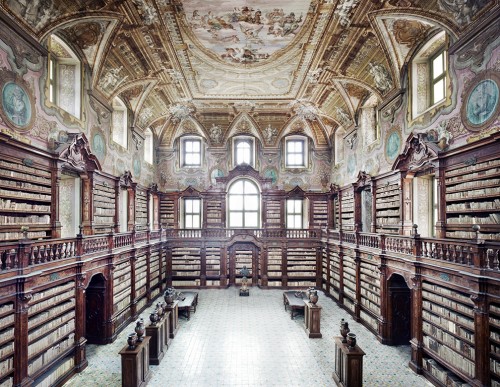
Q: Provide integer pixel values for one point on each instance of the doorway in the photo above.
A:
(400, 311)
(243, 254)
(94, 310)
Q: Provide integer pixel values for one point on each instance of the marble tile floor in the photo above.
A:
(251, 341)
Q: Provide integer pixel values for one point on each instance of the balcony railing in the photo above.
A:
(478, 254)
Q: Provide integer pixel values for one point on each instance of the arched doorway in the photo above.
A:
(399, 311)
(95, 310)
(243, 254)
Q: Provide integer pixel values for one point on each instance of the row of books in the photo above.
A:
(474, 167)
(51, 379)
(467, 219)
(458, 344)
(374, 307)
(449, 314)
(23, 220)
(369, 319)
(51, 313)
(57, 334)
(50, 292)
(9, 204)
(24, 176)
(50, 354)
(390, 193)
(25, 195)
(25, 186)
(387, 204)
(6, 308)
(122, 304)
(446, 353)
(474, 184)
(450, 326)
(472, 235)
(24, 168)
(467, 310)
(441, 374)
(370, 295)
(7, 333)
(43, 329)
(476, 193)
(6, 365)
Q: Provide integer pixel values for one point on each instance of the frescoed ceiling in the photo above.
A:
(208, 62)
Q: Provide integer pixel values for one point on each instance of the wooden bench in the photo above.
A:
(188, 304)
(294, 303)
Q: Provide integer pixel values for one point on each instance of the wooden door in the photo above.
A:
(94, 310)
(400, 311)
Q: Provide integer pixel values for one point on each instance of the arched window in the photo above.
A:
(244, 204)
(119, 123)
(64, 77)
(243, 150)
(148, 146)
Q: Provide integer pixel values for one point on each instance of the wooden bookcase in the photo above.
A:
(319, 211)
(347, 209)
(213, 265)
(370, 294)
(122, 282)
(154, 273)
(213, 212)
(168, 210)
(7, 343)
(494, 321)
(349, 282)
(273, 213)
(243, 257)
(51, 331)
(104, 203)
(186, 266)
(301, 266)
(141, 208)
(472, 197)
(388, 207)
(25, 198)
(141, 280)
(448, 329)
(325, 260)
(274, 266)
(334, 274)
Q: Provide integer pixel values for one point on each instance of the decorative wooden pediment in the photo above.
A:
(418, 154)
(76, 155)
(296, 192)
(334, 189)
(126, 179)
(245, 170)
(363, 179)
(153, 188)
(190, 192)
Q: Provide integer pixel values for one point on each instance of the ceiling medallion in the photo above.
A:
(242, 34)
(179, 112)
(304, 109)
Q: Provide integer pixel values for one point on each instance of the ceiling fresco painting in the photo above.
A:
(245, 31)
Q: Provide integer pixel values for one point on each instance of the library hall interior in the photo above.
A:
(249, 193)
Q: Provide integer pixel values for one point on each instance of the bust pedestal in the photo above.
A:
(348, 365)
(312, 320)
(157, 343)
(135, 364)
(173, 318)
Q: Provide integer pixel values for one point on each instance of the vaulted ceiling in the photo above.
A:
(207, 62)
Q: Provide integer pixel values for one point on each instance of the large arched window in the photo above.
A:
(244, 204)
(119, 123)
(148, 146)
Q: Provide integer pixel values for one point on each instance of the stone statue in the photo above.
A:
(244, 272)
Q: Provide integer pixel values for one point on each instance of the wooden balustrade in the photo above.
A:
(51, 250)
(8, 257)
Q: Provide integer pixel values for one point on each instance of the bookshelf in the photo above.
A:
(349, 288)
(154, 270)
(448, 329)
(141, 209)
(25, 199)
(347, 210)
(242, 258)
(186, 266)
(319, 218)
(334, 274)
(388, 204)
(122, 282)
(212, 257)
(324, 270)
(213, 212)
(7, 344)
(370, 294)
(141, 277)
(274, 266)
(336, 212)
(59, 374)
(301, 266)
(104, 197)
(273, 213)
(51, 330)
(473, 197)
(168, 211)
(494, 322)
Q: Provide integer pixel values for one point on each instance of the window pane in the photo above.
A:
(438, 90)
(196, 146)
(437, 66)
(188, 222)
(251, 203)
(237, 188)
(298, 221)
(235, 202)
(251, 219)
(298, 146)
(289, 221)
(196, 221)
(290, 146)
(195, 159)
(250, 188)
(196, 206)
(188, 158)
(298, 206)
(189, 206)
(235, 219)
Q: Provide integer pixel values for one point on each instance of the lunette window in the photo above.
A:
(243, 151)
(244, 204)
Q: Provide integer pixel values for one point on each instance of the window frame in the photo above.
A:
(149, 146)
(185, 213)
(442, 77)
(304, 153)
(243, 139)
(119, 106)
(183, 151)
(244, 202)
(294, 214)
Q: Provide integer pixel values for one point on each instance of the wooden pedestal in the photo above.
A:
(166, 330)
(312, 319)
(173, 318)
(135, 365)
(157, 343)
(348, 365)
